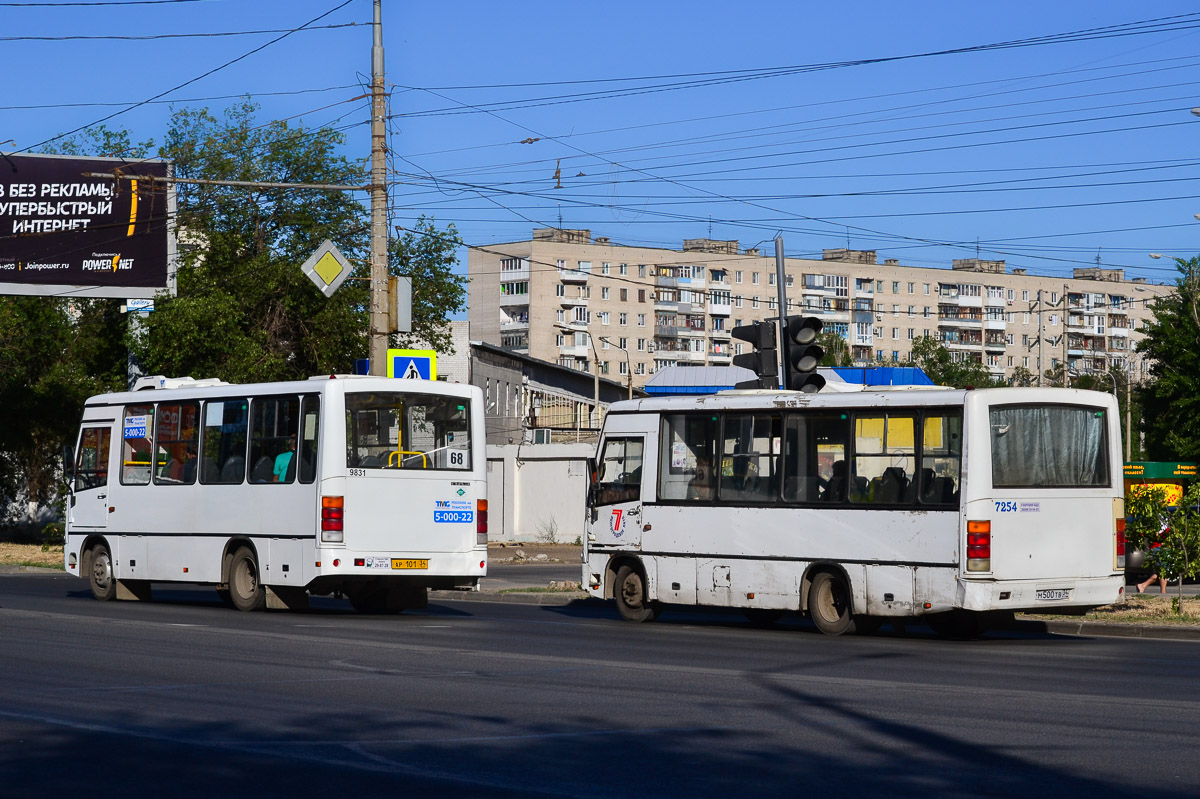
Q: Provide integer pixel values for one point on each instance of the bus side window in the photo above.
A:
(176, 436)
(814, 465)
(687, 447)
(137, 452)
(223, 443)
(885, 459)
(91, 462)
(310, 428)
(274, 424)
(620, 477)
(750, 458)
(941, 459)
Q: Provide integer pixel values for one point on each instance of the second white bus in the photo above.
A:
(949, 505)
(364, 487)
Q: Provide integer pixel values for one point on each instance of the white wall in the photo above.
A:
(537, 490)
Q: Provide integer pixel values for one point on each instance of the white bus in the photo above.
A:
(364, 487)
(949, 505)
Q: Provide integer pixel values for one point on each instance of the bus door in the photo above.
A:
(89, 487)
(617, 520)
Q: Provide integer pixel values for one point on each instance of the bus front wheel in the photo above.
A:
(100, 573)
(829, 604)
(246, 590)
(630, 593)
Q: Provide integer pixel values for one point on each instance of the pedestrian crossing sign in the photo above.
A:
(412, 364)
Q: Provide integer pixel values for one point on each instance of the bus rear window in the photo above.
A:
(1048, 446)
(393, 430)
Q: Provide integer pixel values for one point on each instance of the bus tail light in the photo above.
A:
(979, 546)
(333, 511)
(481, 521)
(1120, 543)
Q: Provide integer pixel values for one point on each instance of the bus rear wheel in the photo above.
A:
(100, 573)
(246, 590)
(630, 592)
(829, 604)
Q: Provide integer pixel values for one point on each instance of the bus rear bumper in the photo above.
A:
(1041, 596)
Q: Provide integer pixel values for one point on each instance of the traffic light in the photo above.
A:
(761, 336)
(801, 354)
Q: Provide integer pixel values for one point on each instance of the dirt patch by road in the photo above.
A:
(29, 555)
(532, 552)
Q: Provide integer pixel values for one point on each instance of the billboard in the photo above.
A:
(63, 234)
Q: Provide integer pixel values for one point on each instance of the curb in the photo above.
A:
(556, 598)
(31, 570)
(1109, 629)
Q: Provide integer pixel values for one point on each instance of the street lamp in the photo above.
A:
(595, 374)
(628, 368)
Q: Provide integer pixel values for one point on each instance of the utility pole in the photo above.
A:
(378, 333)
(781, 290)
(1041, 339)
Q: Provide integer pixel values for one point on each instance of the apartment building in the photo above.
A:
(566, 297)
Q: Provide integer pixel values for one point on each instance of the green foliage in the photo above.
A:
(1175, 530)
(429, 256)
(1171, 400)
(935, 360)
(837, 351)
(1022, 377)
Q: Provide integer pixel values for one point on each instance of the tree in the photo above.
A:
(837, 351)
(1168, 535)
(1171, 399)
(939, 365)
(244, 311)
(1022, 377)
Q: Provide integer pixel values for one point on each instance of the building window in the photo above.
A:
(604, 317)
(1025, 295)
(895, 334)
(911, 333)
(754, 278)
(1054, 298)
(604, 268)
(624, 295)
(514, 289)
(623, 343)
(560, 315)
(895, 286)
(770, 278)
(737, 276)
(622, 367)
(560, 290)
(641, 345)
(926, 288)
(641, 270)
(754, 303)
(912, 288)
(560, 340)
(604, 293)
(641, 320)
(639, 368)
(623, 269)
(641, 295)
(623, 319)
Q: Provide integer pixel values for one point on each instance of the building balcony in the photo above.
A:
(862, 341)
(692, 332)
(995, 346)
(959, 321)
(573, 276)
(720, 358)
(994, 324)
(573, 302)
(514, 326)
(665, 305)
(666, 281)
(723, 334)
(574, 351)
(720, 309)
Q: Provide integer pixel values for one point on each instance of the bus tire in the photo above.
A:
(100, 573)
(630, 593)
(246, 590)
(829, 604)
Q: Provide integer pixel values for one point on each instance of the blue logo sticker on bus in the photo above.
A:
(453, 511)
(135, 427)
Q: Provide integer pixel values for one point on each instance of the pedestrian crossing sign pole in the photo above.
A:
(412, 364)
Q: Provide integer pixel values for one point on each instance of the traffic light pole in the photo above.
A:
(781, 287)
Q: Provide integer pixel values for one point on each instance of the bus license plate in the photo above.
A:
(397, 563)
(1052, 594)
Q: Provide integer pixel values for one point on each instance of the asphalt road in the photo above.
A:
(185, 698)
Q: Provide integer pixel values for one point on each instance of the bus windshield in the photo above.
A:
(1048, 446)
(395, 430)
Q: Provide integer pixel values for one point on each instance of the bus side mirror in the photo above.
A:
(68, 465)
(592, 482)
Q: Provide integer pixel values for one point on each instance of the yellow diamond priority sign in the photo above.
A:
(327, 268)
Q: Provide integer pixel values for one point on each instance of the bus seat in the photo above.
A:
(940, 492)
(835, 490)
(234, 470)
(891, 486)
(264, 470)
(209, 473)
(189, 471)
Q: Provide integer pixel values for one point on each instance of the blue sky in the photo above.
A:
(663, 124)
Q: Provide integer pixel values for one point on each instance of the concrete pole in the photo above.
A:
(1041, 339)
(781, 290)
(378, 332)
